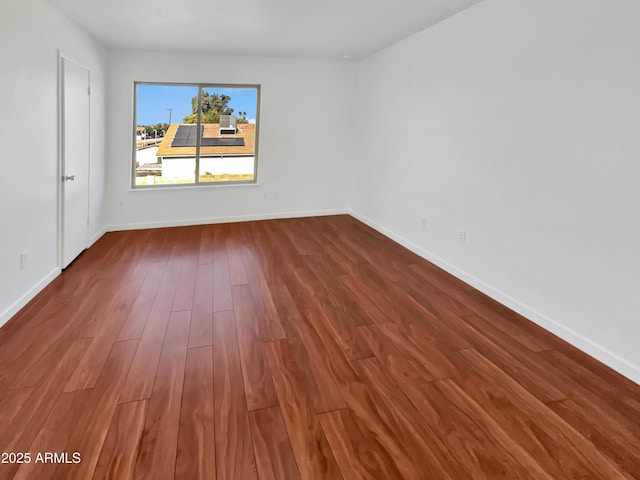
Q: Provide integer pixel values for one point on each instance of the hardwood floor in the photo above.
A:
(310, 349)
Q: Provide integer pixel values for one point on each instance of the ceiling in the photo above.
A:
(284, 28)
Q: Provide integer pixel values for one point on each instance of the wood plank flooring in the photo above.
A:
(310, 349)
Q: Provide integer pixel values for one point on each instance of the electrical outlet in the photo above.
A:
(265, 196)
(276, 196)
(462, 237)
(423, 222)
(24, 259)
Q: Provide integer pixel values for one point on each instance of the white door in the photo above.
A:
(75, 160)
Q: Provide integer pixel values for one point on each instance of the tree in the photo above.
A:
(158, 127)
(213, 105)
(243, 117)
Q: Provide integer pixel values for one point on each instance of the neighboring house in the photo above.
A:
(220, 154)
(141, 133)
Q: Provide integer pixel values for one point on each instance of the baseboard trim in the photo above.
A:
(604, 355)
(97, 237)
(28, 296)
(231, 219)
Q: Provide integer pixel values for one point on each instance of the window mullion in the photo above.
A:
(199, 135)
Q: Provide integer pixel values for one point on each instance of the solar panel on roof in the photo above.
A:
(186, 136)
(183, 131)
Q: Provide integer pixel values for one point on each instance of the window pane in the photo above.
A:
(161, 157)
(227, 151)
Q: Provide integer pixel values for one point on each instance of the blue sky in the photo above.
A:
(154, 100)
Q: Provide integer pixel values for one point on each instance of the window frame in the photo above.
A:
(197, 183)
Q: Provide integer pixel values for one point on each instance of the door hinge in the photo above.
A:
(88, 90)
(87, 221)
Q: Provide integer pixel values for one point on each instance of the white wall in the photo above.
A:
(30, 34)
(303, 151)
(519, 122)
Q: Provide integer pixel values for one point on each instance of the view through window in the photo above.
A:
(195, 134)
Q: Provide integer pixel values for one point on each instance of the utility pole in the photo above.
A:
(170, 110)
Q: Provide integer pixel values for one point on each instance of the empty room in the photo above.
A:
(293, 239)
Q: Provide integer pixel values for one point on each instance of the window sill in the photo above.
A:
(170, 188)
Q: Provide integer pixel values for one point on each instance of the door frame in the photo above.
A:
(63, 56)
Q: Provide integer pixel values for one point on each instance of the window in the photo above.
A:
(195, 134)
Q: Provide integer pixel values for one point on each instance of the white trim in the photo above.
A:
(171, 188)
(212, 220)
(606, 356)
(27, 297)
(94, 238)
(60, 155)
